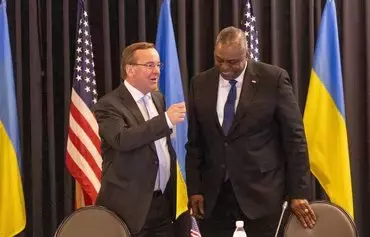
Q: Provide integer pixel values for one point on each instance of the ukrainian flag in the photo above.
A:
(12, 210)
(171, 86)
(324, 116)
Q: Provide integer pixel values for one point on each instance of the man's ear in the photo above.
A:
(129, 70)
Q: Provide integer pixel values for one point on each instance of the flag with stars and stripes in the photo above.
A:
(194, 231)
(250, 29)
(83, 156)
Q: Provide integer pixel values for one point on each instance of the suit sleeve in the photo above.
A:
(118, 134)
(293, 139)
(194, 147)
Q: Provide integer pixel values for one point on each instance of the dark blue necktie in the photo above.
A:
(229, 109)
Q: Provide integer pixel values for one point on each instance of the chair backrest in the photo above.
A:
(332, 221)
(92, 221)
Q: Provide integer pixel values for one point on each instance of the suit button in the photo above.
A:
(226, 144)
(223, 166)
(155, 162)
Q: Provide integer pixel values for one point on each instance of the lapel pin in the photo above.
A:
(254, 81)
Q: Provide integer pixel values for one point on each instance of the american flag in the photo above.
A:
(194, 231)
(83, 156)
(250, 29)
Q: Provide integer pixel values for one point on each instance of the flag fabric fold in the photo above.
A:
(249, 26)
(12, 207)
(83, 155)
(170, 84)
(324, 116)
(194, 231)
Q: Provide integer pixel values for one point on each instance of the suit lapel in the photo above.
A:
(213, 89)
(160, 106)
(131, 105)
(249, 89)
(158, 102)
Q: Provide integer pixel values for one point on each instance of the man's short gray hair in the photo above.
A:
(232, 35)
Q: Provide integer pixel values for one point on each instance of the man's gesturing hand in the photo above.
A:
(176, 113)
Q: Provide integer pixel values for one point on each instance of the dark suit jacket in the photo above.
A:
(265, 153)
(130, 161)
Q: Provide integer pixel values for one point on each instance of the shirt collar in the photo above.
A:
(136, 94)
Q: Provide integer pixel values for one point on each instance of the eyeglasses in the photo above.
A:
(150, 66)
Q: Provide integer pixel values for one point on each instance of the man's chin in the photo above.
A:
(228, 76)
(155, 88)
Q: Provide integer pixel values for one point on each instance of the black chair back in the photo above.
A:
(332, 221)
(92, 221)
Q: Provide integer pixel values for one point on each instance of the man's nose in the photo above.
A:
(224, 67)
(157, 69)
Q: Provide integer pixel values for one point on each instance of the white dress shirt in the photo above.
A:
(223, 91)
(149, 111)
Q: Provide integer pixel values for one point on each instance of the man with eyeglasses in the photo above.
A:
(139, 171)
(246, 150)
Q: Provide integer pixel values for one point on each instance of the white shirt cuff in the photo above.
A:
(170, 125)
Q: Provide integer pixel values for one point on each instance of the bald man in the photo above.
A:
(246, 151)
